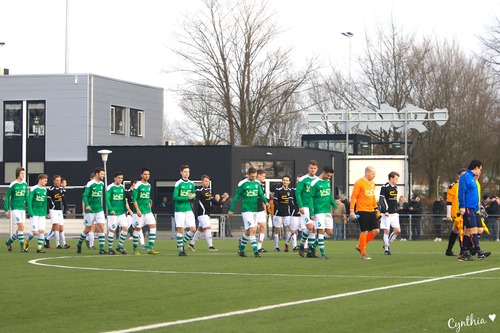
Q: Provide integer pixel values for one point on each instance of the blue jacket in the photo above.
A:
(468, 196)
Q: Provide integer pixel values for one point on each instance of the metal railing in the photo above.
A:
(421, 226)
(413, 226)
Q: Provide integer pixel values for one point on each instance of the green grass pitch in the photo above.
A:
(62, 291)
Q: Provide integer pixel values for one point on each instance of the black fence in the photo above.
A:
(413, 227)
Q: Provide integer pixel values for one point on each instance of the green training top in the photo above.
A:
(250, 192)
(321, 197)
(37, 202)
(303, 189)
(142, 195)
(92, 196)
(115, 199)
(182, 190)
(17, 196)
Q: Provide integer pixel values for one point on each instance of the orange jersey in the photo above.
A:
(452, 199)
(363, 196)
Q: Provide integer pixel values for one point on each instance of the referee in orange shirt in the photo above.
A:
(363, 198)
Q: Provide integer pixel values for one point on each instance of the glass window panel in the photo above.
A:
(136, 122)
(118, 120)
(36, 118)
(273, 169)
(13, 118)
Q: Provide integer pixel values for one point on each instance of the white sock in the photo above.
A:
(62, 238)
(90, 236)
(208, 237)
(195, 237)
(392, 237)
(294, 240)
(386, 241)
(261, 240)
(276, 239)
(42, 237)
(56, 236)
(141, 237)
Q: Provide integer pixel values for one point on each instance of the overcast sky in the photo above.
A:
(128, 39)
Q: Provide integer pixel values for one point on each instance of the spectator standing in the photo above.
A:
(217, 204)
(165, 205)
(403, 216)
(493, 211)
(415, 210)
(226, 201)
(438, 211)
(339, 220)
(2, 200)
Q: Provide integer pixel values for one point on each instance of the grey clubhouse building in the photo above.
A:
(58, 123)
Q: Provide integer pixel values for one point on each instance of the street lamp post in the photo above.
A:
(104, 155)
(348, 35)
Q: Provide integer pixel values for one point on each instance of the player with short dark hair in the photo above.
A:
(57, 207)
(249, 190)
(141, 198)
(282, 211)
(15, 207)
(117, 209)
(184, 193)
(262, 212)
(303, 195)
(468, 200)
(453, 213)
(37, 210)
(203, 201)
(94, 210)
(388, 203)
(321, 199)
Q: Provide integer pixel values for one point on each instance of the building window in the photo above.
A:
(10, 171)
(117, 120)
(273, 169)
(136, 122)
(13, 118)
(36, 118)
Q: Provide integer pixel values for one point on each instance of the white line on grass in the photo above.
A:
(282, 305)
(38, 262)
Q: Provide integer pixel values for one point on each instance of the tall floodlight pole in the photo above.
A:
(406, 164)
(66, 42)
(2, 44)
(348, 35)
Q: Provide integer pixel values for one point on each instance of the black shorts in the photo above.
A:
(470, 218)
(367, 221)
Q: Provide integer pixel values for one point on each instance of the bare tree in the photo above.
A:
(491, 46)
(201, 107)
(285, 121)
(388, 69)
(172, 131)
(399, 69)
(462, 84)
(229, 50)
(326, 94)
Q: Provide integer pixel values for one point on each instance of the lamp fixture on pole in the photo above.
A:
(104, 155)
